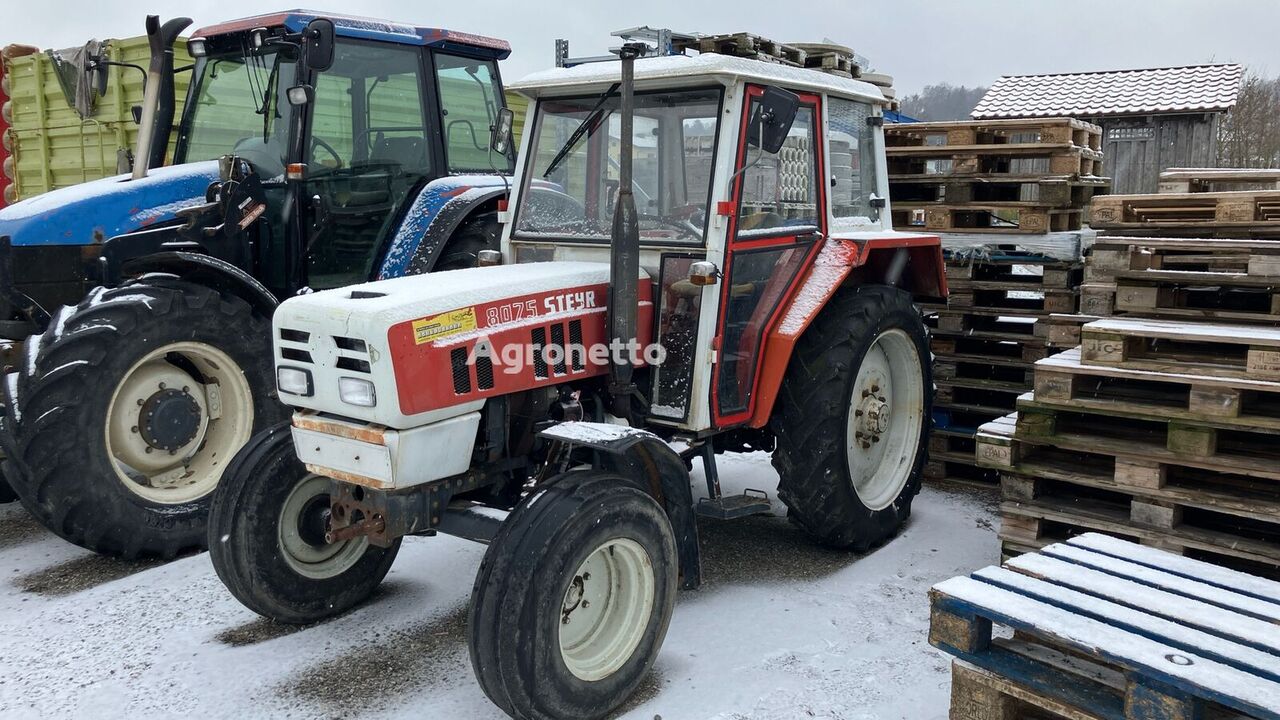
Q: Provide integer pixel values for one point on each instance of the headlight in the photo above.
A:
(355, 391)
(196, 48)
(294, 381)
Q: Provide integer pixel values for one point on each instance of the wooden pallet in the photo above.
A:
(993, 161)
(1223, 351)
(1062, 330)
(992, 217)
(965, 133)
(1109, 629)
(1010, 370)
(1193, 180)
(1030, 526)
(1112, 257)
(1062, 381)
(999, 265)
(749, 46)
(1222, 210)
(1222, 300)
(996, 324)
(981, 349)
(1059, 192)
(1014, 298)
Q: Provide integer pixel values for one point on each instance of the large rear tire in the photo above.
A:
(852, 421)
(266, 538)
(128, 409)
(481, 232)
(573, 599)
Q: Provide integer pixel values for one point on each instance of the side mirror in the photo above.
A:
(771, 119)
(317, 44)
(500, 136)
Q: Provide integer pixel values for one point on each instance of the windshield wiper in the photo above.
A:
(588, 124)
(270, 111)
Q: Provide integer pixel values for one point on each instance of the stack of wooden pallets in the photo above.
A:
(1235, 214)
(1103, 629)
(985, 341)
(1163, 425)
(994, 176)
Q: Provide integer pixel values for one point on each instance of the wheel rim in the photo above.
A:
(606, 609)
(302, 524)
(175, 419)
(886, 412)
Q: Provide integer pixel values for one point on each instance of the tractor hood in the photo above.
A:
(95, 211)
(404, 335)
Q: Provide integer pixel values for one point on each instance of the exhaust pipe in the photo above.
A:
(624, 259)
(158, 98)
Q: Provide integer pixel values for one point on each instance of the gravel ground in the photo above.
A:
(781, 629)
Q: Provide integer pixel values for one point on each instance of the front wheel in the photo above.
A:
(573, 599)
(852, 421)
(266, 538)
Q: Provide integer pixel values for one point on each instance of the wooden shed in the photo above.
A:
(1152, 119)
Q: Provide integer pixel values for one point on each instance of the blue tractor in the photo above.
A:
(314, 151)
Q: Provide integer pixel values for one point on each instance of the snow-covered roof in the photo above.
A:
(1195, 88)
(555, 80)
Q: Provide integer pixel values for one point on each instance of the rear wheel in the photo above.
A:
(481, 232)
(573, 598)
(128, 409)
(266, 538)
(852, 421)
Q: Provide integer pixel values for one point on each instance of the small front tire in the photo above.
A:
(573, 599)
(266, 538)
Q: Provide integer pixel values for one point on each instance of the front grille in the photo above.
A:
(298, 336)
(295, 354)
(353, 364)
(352, 344)
(539, 341)
(461, 373)
(557, 339)
(484, 372)
(575, 342)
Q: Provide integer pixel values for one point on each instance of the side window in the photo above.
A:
(331, 123)
(469, 100)
(853, 162)
(781, 191)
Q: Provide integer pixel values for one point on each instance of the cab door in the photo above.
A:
(371, 145)
(777, 225)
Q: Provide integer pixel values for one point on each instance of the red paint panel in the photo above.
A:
(424, 370)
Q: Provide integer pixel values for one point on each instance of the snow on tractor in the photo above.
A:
(313, 152)
(697, 259)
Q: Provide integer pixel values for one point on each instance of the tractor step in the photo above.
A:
(750, 502)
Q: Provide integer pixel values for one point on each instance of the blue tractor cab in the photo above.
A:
(314, 151)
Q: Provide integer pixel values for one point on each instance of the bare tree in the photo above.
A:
(943, 101)
(1249, 135)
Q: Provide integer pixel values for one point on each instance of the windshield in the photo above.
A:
(572, 178)
(239, 105)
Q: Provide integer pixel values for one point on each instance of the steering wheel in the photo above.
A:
(320, 143)
(680, 218)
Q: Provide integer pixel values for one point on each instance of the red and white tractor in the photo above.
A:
(697, 258)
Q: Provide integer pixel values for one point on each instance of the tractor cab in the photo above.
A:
(745, 174)
(350, 115)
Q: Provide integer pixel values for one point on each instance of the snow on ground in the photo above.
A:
(782, 629)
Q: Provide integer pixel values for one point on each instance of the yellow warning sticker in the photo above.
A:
(444, 325)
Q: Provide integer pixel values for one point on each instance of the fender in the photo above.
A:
(210, 272)
(646, 459)
(437, 211)
(869, 261)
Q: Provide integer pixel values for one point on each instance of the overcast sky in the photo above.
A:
(971, 42)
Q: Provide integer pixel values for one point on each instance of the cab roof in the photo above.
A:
(560, 81)
(369, 29)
